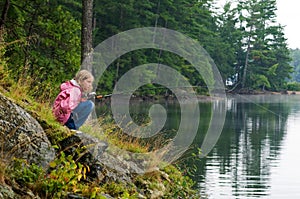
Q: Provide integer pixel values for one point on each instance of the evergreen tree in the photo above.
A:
(245, 41)
(295, 54)
(44, 43)
(262, 57)
(229, 45)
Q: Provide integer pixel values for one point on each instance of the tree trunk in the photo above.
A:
(247, 60)
(4, 13)
(87, 35)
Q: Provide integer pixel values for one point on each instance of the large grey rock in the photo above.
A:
(16, 192)
(22, 136)
(7, 192)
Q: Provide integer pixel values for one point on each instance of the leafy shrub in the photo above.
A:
(25, 174)
(293, 86)
(64, 177)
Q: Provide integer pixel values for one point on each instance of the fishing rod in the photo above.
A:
(96, 96)
(99, 96)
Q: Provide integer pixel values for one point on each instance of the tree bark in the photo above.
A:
(4, 13)
(87, 35)
(246, 60)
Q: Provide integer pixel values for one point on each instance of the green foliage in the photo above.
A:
(188, 17)
(224, 36)
(59, 47)
(5, 81)
(2, 49)
(181, 186)
(261, 81)
(295, 54)
(24, 173)
(120, 190)
(293, 86)
(64, 177)
(170, 181)
(259, 44)
(44, 44)
(44, 40)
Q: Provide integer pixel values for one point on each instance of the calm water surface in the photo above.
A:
(257, 154)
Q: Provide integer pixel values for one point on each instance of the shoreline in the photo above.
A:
(203, 98)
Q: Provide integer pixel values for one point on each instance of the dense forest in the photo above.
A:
(41, 39)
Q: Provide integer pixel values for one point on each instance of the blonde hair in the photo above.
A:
(83, 75)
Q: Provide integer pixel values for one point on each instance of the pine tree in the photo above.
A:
(262, 57)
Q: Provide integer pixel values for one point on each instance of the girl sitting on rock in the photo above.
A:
(70, 107)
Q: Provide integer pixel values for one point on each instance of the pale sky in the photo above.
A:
(288, 15)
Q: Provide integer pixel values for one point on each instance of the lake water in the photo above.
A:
(257, 154)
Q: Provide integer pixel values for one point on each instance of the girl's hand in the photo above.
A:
(83, 99)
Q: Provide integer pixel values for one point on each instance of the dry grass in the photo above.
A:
(113, 135)
(151, 151)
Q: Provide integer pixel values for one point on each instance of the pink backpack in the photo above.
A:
(66, 101)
